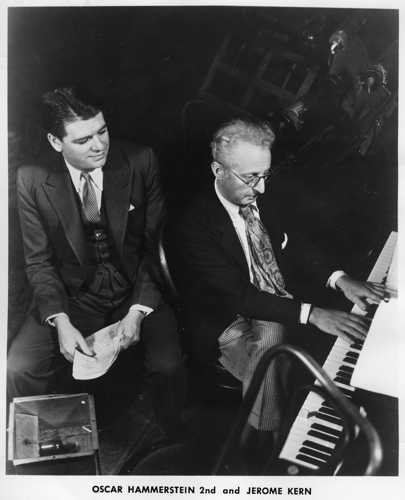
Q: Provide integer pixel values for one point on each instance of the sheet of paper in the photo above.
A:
(106, 346)
(376, 369)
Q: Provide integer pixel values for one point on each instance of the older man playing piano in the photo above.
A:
(240, 270)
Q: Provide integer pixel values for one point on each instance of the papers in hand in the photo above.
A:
(106, 345)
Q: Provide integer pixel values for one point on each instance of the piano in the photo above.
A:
(317, 429)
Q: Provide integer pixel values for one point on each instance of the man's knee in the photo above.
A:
(164, 361)
(162, 343)
(19, 368)
(18, 362)
(162, 318)
(31, 360)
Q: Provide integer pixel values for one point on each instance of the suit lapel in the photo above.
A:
(221, 222)
(116, 196)
(60, 192)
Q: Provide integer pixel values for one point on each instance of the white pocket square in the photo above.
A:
(131, 207)
(285, 241)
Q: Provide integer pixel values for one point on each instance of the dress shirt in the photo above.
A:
(96, 178)
(240, 228)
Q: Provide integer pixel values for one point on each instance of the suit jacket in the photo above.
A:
(56, 261)
(213, 274)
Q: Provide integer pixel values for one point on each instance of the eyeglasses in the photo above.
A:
(252, 180)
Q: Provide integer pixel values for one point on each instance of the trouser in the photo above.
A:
(242, 345)
(35, 365)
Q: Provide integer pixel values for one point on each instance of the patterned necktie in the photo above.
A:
(265, 270)
(89, 199)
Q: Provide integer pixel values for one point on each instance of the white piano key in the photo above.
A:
(300, 462)
(344, 386)
(312, 401)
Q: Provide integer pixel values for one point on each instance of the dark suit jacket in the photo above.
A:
(57, 264)
(213, 275)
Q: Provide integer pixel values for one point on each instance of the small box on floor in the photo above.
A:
(50, 428)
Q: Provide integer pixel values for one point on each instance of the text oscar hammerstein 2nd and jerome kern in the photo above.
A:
(201, 490)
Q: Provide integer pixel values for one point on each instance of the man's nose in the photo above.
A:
(260, 186)
(97, 143)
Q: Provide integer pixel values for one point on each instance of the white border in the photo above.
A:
(62, 487)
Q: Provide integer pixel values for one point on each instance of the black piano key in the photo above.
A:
(357, 341)
(314, 453)
(325, 437)
(347, 369)
(352, 354)
(341, 373)
(350, 361)
(346, 392)
(328, 411)
(317, 446)
(342, 380)
(331, 410)
(371, 310)
(309, 460)
(324, 428)
(357, 345)
(328, 418)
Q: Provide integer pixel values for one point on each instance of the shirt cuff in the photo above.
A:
(138, 307)
(305, 312)
(331, 283)
(50, 319)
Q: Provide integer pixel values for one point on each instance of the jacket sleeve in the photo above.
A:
(307, 267)
(48, 290)
(146, 289)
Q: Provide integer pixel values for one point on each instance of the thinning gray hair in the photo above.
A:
(254, 132)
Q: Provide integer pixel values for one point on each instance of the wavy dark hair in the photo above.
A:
(65, 105)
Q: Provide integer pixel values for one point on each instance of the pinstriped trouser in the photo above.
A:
(242, 345)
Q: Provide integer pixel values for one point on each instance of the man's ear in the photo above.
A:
(216, 168)
(54, 142)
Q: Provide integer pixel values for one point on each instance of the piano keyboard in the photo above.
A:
(317, 428)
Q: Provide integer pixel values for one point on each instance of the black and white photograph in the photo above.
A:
(202, 250)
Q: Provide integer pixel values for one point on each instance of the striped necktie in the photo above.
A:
(89, 199)
(265, 271)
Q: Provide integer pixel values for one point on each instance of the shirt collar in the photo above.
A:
(96, 176)
(231, 208)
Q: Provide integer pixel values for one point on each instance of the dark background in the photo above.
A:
(149, 63)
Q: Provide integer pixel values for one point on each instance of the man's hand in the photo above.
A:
(129, 328)
(339, 323)
(70, 338)
(361, 293)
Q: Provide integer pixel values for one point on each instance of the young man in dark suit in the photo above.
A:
(89, 214)
(240, 271)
